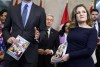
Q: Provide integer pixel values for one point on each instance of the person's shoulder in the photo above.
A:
(98, 23)
(88, 26)
(93, 30)
(55, 31)
(36, 6)
(15, 6)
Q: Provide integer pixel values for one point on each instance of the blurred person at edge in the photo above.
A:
(81, 39)
(3, 15)
(96, 24)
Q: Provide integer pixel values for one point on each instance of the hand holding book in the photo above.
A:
(58, 57)
(65, 57)
(18, 47)
(11, 40)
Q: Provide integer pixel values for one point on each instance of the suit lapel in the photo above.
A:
(19, 17)
(31, 16)
(51, 34)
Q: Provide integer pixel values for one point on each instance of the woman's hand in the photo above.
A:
(65, 57)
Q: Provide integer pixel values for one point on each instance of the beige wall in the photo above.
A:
(56, 8)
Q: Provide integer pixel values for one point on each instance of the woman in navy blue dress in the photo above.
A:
(81, 40)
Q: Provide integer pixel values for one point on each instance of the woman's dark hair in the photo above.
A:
(2, 11)
(70, 26)
(94, 10)
(62, 31)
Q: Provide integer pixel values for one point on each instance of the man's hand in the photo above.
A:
(37, 34)
(48, 51)
(11, 40)
(41, 51)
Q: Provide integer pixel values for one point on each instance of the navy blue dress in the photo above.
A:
(81, 44)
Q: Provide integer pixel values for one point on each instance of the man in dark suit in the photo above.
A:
(21, 20)
(95, 17)
(49, 42)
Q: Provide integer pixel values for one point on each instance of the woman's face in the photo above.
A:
(3, 17)
(67, 27)
(81, 14)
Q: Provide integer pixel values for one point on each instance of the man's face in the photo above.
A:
(94, 15)
(49, 21)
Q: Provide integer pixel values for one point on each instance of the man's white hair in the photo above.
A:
(50, 15)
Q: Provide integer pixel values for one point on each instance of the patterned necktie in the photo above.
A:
(95, 25)
(24, 15)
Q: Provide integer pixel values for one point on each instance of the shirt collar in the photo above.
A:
(49, 29)
(24, 3)
(96, 22)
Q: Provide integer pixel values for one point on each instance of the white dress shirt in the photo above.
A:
(49, 32)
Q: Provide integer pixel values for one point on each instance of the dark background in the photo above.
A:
(4, 4)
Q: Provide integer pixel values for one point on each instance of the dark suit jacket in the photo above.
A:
(99, 29)
(48, 43)
(98, 49)
(14, 22)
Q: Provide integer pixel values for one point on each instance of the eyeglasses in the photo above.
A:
(49, 19)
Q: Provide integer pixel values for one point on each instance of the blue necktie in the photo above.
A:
(24, 14)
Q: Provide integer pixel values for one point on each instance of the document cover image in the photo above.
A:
(61, 51)
(17, 49)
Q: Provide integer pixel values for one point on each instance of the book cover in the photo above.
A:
(59, 53)
(17, 49)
